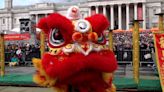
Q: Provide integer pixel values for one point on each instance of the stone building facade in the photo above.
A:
(119, 12)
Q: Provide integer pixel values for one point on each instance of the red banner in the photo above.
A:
(159, 45)
(12, 37)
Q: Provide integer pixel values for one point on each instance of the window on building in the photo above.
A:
(147, 26)
(147, 12)
(15, 20)
(3, 21)
(24, 25)
(154, 11)
(82, 15)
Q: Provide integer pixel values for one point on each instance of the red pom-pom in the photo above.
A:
(77, 36)
(99, 23)
(43, 25)
(93, 36)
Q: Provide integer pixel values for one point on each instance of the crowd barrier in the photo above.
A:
(123, 57)
(26, 57)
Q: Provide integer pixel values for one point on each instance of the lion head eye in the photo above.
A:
(82, 26)
(56, 38)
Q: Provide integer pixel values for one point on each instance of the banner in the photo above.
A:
(12, 37)
(159, 49)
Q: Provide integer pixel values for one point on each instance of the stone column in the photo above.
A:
(97, 9)
(10, 22)
(33, 39)
(119, 17)
(89, 11)
(135, 11)
(37, 19)
(127, 16)
(144, 16)
(0, 24)
(112, 16)
(104, 10)
(46, 15)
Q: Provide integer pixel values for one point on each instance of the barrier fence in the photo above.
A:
(123, 57)
(25, 59)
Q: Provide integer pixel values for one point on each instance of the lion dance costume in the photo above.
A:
(76, 56)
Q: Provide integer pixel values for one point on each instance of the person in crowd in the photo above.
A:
(14, 61)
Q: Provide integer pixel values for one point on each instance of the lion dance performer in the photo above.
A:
(76, 54)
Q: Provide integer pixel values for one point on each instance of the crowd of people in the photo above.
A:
(19, 53)
(123, 46)
(123, 41)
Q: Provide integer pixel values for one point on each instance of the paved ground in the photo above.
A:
(19, 70)
(121, 71)
(24, 89)
(28, 89)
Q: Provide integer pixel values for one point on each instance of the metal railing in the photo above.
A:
(125, 57)
(26, 57)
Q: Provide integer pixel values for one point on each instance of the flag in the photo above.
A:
(159, 50)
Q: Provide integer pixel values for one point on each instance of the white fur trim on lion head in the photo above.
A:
(73, 13)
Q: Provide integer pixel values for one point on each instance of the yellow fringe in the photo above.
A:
(37, 77)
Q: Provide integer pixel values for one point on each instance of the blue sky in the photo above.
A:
(1, 3)
(29, 2)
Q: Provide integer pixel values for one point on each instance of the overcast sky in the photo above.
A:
(29, 2)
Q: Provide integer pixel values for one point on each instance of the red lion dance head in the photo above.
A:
(76, 56)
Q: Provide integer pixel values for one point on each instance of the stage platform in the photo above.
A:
(121, 83)
(149, 81)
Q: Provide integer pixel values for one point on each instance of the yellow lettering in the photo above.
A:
(161, 42)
